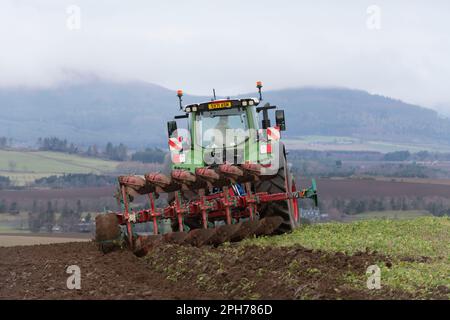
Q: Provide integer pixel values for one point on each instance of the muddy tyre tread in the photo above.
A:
(280, 208)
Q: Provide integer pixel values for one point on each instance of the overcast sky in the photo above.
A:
(395, 48)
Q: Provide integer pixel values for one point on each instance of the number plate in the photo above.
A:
(219, 105)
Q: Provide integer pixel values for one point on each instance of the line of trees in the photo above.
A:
(69, 218)
(117, 153)
(398, 156)
(56, 144)
(5, 142)
(149, 155)
(72, 180)
(368, 155)
(5, 182)
(12, 208)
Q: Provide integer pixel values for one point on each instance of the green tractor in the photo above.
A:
(229, 180)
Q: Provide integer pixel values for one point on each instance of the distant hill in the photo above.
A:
(92, 112)
(355, 113)
(135, 113)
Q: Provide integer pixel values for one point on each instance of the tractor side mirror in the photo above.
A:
(279, 119)
(171, 127)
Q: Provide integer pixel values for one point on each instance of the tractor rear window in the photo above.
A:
(216, 128)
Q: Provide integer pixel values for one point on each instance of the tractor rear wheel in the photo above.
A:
(280, 183)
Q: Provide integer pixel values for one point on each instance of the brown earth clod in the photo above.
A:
(175, 237)
(268, 225)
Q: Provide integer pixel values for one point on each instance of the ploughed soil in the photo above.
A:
(184, 272)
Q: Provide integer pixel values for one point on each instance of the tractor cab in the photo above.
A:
(221, 126)
(222, 123)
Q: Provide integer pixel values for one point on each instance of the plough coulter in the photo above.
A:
(229, 180)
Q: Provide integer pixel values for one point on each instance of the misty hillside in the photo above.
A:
(345, 112)
(136, 113)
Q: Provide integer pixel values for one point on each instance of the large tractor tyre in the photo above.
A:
(107, 232)
(277, 184)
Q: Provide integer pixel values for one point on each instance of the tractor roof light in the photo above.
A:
(194, 108)
(259, 86)
(249, 102)
(179, 95)
(187, 109)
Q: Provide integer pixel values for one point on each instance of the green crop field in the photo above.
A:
(337, 143)
(25, 166)
(419, 249)
(390, 214)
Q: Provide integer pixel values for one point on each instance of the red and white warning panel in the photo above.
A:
(175, 144)
(265, 148)
(273, 133)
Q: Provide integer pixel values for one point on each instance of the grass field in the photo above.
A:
(338, 143)
(397, 214)
(419, 248)
(25, 166)
(8, 229)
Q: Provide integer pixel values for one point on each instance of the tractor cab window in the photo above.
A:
(221, 127)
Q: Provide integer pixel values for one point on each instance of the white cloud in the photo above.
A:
(198, 45)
